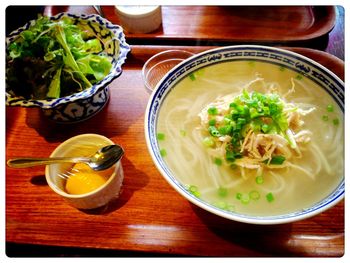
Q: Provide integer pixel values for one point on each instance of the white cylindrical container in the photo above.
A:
(75, 146)
(139, 18)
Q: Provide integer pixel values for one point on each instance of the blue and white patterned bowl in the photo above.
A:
(298, 63)
(85, 104)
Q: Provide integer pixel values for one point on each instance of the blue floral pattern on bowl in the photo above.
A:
(298, 63)
(85, 104)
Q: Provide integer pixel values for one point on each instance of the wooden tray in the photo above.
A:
(150, 216)
(228, 23)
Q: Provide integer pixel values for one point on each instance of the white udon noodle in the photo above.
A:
(188, 161)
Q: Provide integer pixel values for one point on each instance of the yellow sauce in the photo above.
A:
(83, 179)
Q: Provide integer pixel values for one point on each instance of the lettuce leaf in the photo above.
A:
(54, 59)
(55, 85)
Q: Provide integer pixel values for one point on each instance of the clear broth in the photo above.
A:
(218, 185)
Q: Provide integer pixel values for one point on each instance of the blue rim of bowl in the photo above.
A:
(294, 61)
(115, 72)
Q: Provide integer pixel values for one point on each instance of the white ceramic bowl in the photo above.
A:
(85, 104)
(298, 63)
(81, 145)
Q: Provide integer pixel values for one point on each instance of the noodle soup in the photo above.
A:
(310, 171)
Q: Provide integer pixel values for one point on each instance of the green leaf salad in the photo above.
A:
(53, 59)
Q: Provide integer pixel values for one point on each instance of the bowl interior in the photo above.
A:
(195, 67)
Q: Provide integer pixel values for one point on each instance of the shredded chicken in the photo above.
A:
(304, 136)
(248, 163)
(257, 149)
(261, 147)
(294, 121)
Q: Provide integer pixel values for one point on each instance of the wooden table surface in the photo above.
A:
(150, 217)
(295, 26)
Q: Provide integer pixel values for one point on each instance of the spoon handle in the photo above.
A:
(29, 162)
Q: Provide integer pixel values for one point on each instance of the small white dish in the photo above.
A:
(76, 146)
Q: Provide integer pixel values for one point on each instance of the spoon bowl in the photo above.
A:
(101, 160)
(106, 157)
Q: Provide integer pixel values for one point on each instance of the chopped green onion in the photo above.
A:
(163, 152)
(218, 161)
(255, 125)
(239, 196)
(266, 111)
(227, 120)
(265, 128)
(254, 195)
(225, 130)
(277, 159)
(336, 121)
(238, 155)
(183, 132)
(253, 113)
(194, 190)
(245, 199)
(214, 131)
(230, 156)
(270, 197)
(221, 204)
(230, 208)
(192, 76)
(325, 117)
(273, 109)
(233, 105)
(160, 136)
(245, 94)
(212, 111)
(212, 122)
(224, 206)
(241, 121)
(259, 179)
(330, 108)
(208, 142)
(222, 192)
(196, 194)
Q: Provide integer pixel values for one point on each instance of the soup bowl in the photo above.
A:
(88, 102)
(248, 57)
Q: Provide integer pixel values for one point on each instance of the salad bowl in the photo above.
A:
(86, 103)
